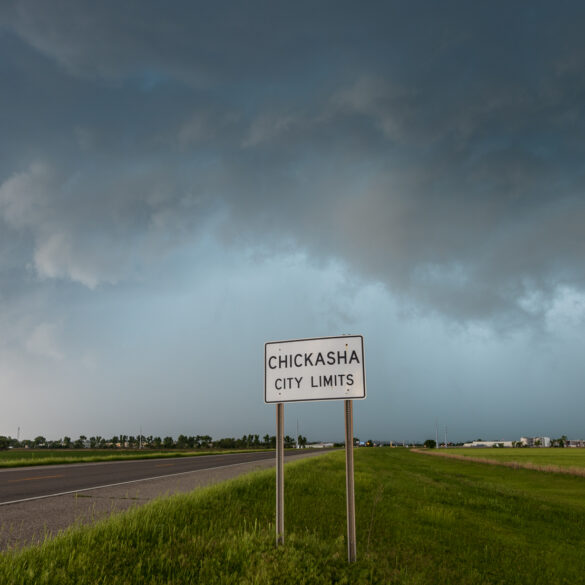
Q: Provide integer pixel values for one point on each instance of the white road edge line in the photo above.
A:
(99, 487)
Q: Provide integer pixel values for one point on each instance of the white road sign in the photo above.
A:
(325, 368)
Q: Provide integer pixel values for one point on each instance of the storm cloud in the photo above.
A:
(432, 151)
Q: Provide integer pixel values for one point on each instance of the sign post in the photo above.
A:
(325, 368)
(349, 482)
(279, 473)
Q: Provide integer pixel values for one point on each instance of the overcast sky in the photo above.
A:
(181, 182)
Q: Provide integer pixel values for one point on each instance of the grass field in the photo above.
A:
(420, 520)
(28, 457)
(568, 460)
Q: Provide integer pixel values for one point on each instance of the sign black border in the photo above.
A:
(317, 399)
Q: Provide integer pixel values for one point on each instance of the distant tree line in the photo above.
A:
(152, 442)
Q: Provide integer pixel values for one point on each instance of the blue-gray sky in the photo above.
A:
(182, 182)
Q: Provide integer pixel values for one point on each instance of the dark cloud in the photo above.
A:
(436, 148)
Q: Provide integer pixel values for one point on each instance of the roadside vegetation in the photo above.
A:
(420, 520)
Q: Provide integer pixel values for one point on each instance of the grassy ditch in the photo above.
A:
(420, 520)
(27, 458)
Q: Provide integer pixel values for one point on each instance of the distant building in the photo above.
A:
(535, 441)
(575, 443)
(485, 444)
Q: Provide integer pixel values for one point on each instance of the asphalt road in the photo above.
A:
(31, 483)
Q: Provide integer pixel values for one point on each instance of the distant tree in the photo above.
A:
(302, 441)
(205, 441)
(168, 443)
(80, 443)
(266, 440)
(430, 443)
(182, 442)
(226, 443)
(289, 442)
(156, 443)
(40, 441)
(4, 443)
(66, 442)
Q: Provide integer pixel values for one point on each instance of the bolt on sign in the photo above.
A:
(325, 368)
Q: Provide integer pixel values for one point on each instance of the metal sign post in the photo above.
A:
(279, 474)
(349, 482)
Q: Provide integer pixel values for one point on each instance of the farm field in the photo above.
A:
(420, 520)
(29, 457)
(567, 459)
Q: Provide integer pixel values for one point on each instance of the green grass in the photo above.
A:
(568, 459)
(420, 520)
(26, 458)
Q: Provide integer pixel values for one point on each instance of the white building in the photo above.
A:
(535, 441)
(575, 443)
(483, 444)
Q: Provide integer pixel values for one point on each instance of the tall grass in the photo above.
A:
(420, 520)
(569, 460)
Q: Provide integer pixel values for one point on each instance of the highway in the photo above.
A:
(31, 483)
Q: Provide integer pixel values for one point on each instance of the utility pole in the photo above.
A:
(446, 436)
(437, 433)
